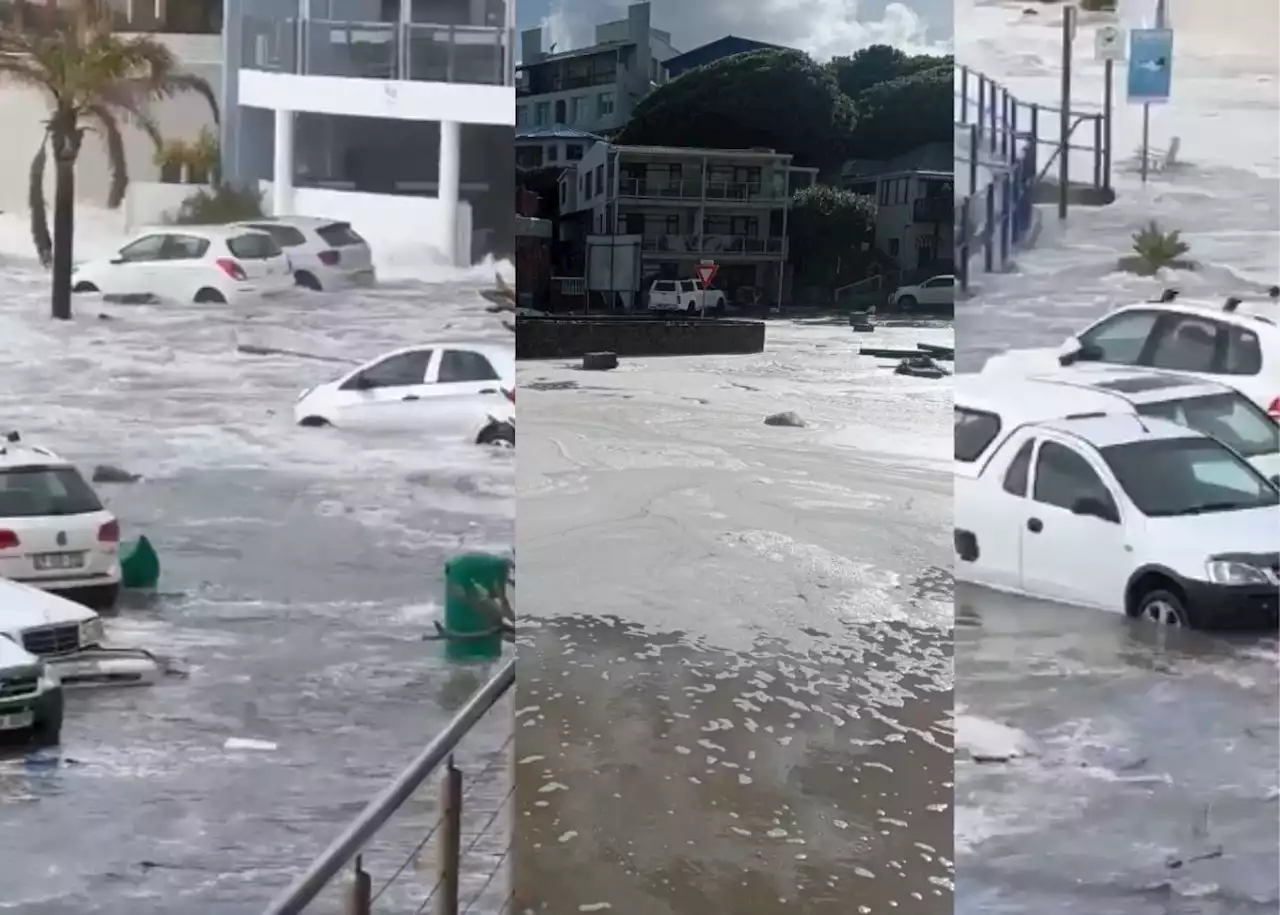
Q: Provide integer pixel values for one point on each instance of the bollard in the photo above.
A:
(468, 578)
(360, 892)
(450, 848)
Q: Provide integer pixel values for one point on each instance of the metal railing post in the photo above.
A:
(964, 95)
(360, 892)
(993, 114)
(975, 148)
(965, 250)
(449, 854)
(982, 102)
(1097, 152)
(1005, 217)
(989, 230)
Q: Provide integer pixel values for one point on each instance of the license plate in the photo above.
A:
(49, 562)
(16, 721)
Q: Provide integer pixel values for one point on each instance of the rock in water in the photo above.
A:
(784, 419)
(108, 473)
(599, 362)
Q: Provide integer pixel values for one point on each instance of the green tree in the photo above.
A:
(878, 64)
(1155, 249)
(781, 100)
(91, 78)
(831, 232)
(905, 113)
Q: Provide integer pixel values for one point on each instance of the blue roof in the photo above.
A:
(555, 132)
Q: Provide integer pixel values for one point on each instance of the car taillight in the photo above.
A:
(8, 540)
(1274, 409)
(231, 269)
(109, 532)
(511, 394)
(329, 258)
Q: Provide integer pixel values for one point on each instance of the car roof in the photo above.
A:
(15, 455)
(299, 222)
(230, 230)
(496, 351)
(1136, 385)
(1102, 430)
(1205, 308)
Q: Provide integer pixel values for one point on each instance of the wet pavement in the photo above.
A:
(735, 664)
(301, 568)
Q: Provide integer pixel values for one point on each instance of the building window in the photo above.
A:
(529, 156)
(573, 151)
(564, 193)
(599, 179)
(542, 113)
(553, 152)
(522, 115)
(586, 194)
(561, 113)
(893, 247)
(578, 109)
(604, 105)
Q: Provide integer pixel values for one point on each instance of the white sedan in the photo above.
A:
(448, 389)
(202, 264)
(936, 292)
(325, 253)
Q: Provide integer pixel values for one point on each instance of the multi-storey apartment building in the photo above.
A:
(691, 205)
(409, 98)
(592, 89)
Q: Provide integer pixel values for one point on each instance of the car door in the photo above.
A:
(1198, 345)
(1071, 553)
(132, 272)
(177, 272)
(938, 291)
(1120, 338)
(386, 391)
(997, 526)
(463, 388)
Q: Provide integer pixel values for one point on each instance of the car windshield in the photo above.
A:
(1231, 418)
(1187, 476)
(36, 492)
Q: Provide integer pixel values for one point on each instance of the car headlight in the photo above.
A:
(1226, 572)
(49, 676)
(92, 632)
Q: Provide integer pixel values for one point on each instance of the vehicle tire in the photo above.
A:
(47, 731)
(84, 287)
(1162, 603)
(497, 433)
(692, 308)
(99, 599)
(907, 303)
(209, 296)
(314, 422)
(307, 280)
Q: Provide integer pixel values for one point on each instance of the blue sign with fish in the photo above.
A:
(1150, 65)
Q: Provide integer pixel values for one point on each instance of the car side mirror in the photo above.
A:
(117, 260)
(1276, 480)
(1094, 508)
(1069, 351)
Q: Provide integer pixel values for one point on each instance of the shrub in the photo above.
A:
(219, 205)
(1154, 249)
(1098, 6)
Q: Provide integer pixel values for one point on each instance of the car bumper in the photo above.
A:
(21, 715)
(106, 667)
(1233, 607)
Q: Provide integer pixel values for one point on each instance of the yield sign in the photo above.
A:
(706, 273)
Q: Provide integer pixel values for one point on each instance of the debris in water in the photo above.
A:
(248, 743)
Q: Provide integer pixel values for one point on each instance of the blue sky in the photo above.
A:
(824, 28)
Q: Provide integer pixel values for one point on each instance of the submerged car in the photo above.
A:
(69, 639)
(445, 389)
(31, 699)
(324, 253)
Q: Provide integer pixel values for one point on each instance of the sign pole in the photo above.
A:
(706, 272)
(1064, 116)
(1146, 139)
(1108, 93)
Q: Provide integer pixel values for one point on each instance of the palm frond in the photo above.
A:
(177, 83)
(106, 124)
(35, 202)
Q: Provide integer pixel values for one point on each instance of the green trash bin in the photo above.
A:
(463, 576)
(139, 564)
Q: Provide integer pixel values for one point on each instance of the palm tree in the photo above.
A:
(91, 78)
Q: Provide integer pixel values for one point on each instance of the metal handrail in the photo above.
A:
(303, 891)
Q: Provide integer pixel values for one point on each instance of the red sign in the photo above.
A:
(706, 273)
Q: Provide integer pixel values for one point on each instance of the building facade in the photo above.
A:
(690, 206)
(915, 203)
(542, 147)
(407, 98)
(591, 89)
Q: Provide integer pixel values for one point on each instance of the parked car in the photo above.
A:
(1122, 513)
(202, 264)
(325, 253)
(70, 640)
(30, 696)
(685, 295)
(449, 389)
(55, 533)
(934, 294)
(1204, 405)
(1205, 339)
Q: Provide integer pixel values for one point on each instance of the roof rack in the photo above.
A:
(13, 436)
(1167, 296)
(1232, 303)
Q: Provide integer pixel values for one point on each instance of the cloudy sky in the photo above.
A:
(824, 28)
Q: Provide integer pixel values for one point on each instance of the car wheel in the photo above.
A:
(1164, 606)
(692, 308)
(497, 433)
(47, 730)
(907, 302)
(99, 598)
(314, 422)
(307, 280)
(209, 296)
(84, 287)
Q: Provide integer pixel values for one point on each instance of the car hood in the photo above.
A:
(1022, 360)
(1255, 530)
(13, 655)
(23, 607)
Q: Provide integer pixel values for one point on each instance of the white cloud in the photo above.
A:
(824, 28)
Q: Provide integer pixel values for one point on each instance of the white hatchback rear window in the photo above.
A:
(975, 431)
(253, 246)
(37, 492)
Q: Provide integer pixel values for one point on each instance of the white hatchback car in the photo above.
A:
(1215, 341)
(55, 533)
(938, 292)
(325, 253)
(449, 389)
(203, 264)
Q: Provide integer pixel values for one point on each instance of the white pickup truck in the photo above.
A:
(1134, 515)
(685, 295)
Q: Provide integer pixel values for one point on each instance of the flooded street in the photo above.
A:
(300, 569)
(735, 662)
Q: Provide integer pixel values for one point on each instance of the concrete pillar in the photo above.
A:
(282, 168)
(232, 59)
(450, 176)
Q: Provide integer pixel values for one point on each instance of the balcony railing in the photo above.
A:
(698, 189)
(743, 245)
(376, 50)
(933, 209)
